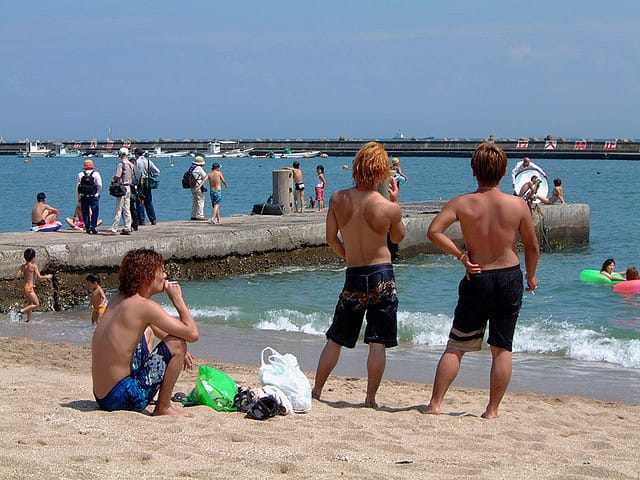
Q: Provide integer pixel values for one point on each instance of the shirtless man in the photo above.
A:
(98, 301)
(529, 190)
(216, 180)
(363, 217)
(43, 213)
(298, 182)
(557, 194)
(491, 290)
(126, 375)
(31, 273)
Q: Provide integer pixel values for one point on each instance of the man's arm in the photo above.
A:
(223, 180)
(436, 234)
(397, 230)
(332, 228)
(531, 247)
(185, 327)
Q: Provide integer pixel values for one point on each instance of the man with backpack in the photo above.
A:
(192, 179)
(145, 172)
(89, 188)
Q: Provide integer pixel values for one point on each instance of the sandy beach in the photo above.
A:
(51, 428)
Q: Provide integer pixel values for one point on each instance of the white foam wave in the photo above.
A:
(424, 328)
(562, 338)
(221, 313)
(294, 321)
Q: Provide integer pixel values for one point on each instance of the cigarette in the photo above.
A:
(172, 282)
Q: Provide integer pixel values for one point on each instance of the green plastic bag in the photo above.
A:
(214, 389)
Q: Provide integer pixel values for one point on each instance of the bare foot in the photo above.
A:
(489, 415)
(171, 411)
(429, 409)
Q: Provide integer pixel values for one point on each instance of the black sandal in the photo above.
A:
(263, 408)
(244, 399)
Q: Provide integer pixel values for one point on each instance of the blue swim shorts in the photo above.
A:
(216, 197)
(138, 389)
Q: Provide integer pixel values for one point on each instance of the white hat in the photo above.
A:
(123, 151)
(199, 160)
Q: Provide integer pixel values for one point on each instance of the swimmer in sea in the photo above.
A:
(608, 270)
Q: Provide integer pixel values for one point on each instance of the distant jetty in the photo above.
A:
(619, 149)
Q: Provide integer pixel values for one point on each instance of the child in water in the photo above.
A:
(31, 273)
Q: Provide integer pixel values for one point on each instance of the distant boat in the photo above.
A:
(34, 149)
(216, 150)
(398, 136)
(61, 151)
(158, 153)
(289, 154)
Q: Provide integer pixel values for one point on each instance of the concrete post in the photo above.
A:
(283, 189)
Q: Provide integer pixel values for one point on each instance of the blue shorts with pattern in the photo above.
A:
(138, 389)
(216, 197)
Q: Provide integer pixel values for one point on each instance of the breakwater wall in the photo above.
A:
(621, 149)
(242, 244)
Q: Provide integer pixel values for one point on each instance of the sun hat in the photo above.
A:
(123, 151)
(199, 160)
(88, 164)
(396, 161)
(138, 151)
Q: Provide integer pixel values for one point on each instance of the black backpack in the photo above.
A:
(189, 179)
(87, 186)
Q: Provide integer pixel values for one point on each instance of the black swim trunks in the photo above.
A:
(299, 186)
(494, 296)
(370, 289)
(38, 224)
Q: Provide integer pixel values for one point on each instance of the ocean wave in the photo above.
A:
(294, 321)
(577, 343)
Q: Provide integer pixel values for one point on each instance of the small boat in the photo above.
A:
(158, 153)
(216, 150)
(61, 151)
(34, 149)
(289, 154)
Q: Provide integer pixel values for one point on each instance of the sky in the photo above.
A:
(361, 69)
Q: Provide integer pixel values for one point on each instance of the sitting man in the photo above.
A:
(529, 190)
(557, 194)
(42, 213)
(126, 371)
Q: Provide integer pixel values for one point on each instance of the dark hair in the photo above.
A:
(557, 182)
(489, 163)
(215, 166)
(138, 151)
(93, 278)
(606, 263)
(29, 254)
(321, 168)
(138, 269)
(296, 164)
(41, 197)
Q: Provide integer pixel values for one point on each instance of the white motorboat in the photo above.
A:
(289, 154)
(217, 150)
(158, 153)
(34, 149)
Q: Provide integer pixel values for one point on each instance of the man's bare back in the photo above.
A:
(490, 221)
(43, 212)
(363, 218)
(216, 179)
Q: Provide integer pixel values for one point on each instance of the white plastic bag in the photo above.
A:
(283, 371)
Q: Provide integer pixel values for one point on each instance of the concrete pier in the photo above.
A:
(240, 244)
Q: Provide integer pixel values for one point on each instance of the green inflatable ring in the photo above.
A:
(594, 276)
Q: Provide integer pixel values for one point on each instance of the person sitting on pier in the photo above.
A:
(529, 190)
(42, 213)
(523, 165)
(557, 194)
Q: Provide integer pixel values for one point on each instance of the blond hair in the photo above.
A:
(370, 166)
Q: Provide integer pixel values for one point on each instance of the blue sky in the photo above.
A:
(311, 69)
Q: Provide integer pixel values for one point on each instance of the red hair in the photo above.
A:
(371, 166)
(138, 269)
(489, 163)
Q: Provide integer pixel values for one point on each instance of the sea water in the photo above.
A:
(571, 337)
